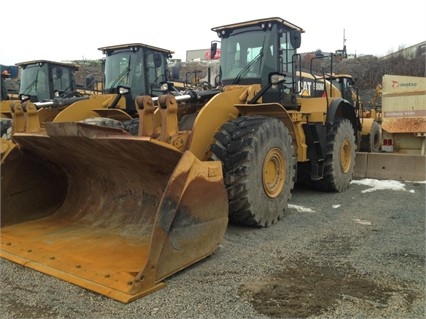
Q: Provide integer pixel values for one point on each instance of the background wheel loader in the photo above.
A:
(41, 84)
(130, 70)
(343, 85)
(370, 140)
(48, 88)
(149, 205)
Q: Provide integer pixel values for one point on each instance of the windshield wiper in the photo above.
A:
(257, 58)
(31, 85)
(245, 70)
(120, 76)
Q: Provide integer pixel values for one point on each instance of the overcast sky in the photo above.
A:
(74, 30)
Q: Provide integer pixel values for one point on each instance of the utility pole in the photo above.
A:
(344, 53)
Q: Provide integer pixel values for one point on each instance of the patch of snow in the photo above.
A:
(301, 209)
(376, 184)
(361, 221)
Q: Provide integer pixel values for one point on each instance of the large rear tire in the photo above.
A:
(372, 141)
(259, 168)
(340, 158)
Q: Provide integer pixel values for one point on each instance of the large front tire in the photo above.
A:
(340, 158)
(259, 168)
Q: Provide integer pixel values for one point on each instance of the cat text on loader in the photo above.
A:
(128, 211)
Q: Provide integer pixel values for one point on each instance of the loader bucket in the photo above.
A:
(124, 213)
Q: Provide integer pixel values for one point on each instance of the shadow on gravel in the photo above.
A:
(308, 289)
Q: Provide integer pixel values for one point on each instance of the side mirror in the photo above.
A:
(157, 60)
(213, 50)
(59, 72)
(90, 81)
(295, 38)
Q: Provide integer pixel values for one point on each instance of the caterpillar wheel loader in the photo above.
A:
(130, 70)
(370, 139)
(343, 85)
(118, 213)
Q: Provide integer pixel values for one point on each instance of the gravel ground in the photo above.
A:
(356, 254)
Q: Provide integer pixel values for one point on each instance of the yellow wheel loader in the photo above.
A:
(117, 213)
(343, 85)
(371, 120)
(130, 70)
(370, 139)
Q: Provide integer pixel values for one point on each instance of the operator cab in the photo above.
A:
(251, 50)
(136, 69)
(43, 80)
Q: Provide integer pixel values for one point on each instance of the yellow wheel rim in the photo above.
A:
(345, 156)
(274, 173)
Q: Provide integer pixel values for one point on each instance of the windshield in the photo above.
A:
(35, 82)
(62, 79)
(117, 69)
(139, 70)
(250, 53)
(242, 55)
